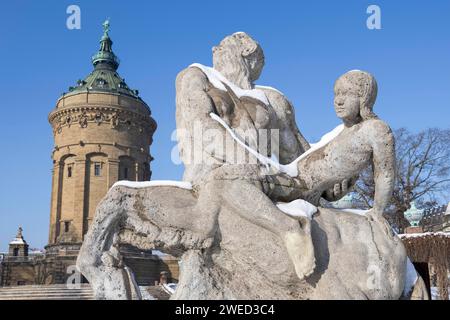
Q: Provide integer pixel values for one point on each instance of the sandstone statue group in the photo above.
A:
(251, 219)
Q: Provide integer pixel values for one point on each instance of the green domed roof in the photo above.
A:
(104, 77)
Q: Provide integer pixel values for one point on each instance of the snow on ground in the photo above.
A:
(298, 208)
(435, 293)
(217, 80)
(154, 183)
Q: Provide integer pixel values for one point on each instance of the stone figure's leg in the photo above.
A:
(99, 259)
(250, 202)
(144, 218)
(169, 219)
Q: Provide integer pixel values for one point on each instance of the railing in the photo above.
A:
(23, 259)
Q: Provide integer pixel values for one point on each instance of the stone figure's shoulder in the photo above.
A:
(283, 107)
(272, 94)
(191, 77)
(377, 129)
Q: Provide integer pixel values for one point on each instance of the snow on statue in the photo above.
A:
(246, 221)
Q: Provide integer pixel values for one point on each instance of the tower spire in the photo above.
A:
(105, 57)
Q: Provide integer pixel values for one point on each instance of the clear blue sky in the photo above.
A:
(307, 44)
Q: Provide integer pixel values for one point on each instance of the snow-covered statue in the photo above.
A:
(246, 221)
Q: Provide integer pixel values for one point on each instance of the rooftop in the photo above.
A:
(104, 77)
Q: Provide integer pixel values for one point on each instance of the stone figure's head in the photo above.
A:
(354, 96)
(238, 55)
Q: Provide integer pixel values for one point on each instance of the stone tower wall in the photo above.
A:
(100, 138)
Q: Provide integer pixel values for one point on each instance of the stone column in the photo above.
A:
(79, 198)
(136, 170)
(113, 171)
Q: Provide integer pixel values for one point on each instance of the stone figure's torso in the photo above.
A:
(265, 127)
(252, 121)
(342, 158)
(249, 117)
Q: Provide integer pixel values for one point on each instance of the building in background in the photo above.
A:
(436, 219)
(20, 265)
(102, 133)
(427, 241)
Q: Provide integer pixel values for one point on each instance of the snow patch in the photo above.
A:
(17, 241)
(298, 208)
(290, 169)
(263, 159)
(355, 211)
(169, 287)
(411, 277)
(218, 80)
(145, 294)
(159, 253)
(435, 293)
(424, 234)
(155, 183)
(268, 88)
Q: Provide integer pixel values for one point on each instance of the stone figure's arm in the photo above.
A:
(290, 116)
(193, 108)
(383, 146)
(292, 143)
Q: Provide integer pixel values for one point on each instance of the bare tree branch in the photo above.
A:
(422, 172)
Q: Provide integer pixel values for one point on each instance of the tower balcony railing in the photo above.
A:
(31, 258)
(105, 56)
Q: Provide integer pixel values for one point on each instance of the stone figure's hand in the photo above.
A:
(339, 190)
(284, 188)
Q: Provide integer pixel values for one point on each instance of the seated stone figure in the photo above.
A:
(219, 178)
(363, 140)
(241, 185)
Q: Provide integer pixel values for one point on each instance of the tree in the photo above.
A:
(422, 174)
